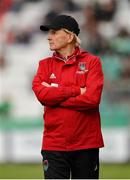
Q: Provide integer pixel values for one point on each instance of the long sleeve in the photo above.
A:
(94, 85)
(50, 96)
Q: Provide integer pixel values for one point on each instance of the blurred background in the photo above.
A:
(105, 31)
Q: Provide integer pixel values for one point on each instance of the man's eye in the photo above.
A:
(52, 32)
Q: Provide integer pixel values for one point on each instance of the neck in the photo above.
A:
(66, 52)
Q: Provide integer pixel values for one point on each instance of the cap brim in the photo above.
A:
(44, 28)
(48, 27)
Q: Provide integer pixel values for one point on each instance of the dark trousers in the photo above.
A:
(80, 164)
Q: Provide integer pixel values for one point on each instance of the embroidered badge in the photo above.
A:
(82, 66)
(45, 165)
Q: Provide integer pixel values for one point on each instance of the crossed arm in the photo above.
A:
(82, 90)
(52, 96)
(72, 97)
(66, 103)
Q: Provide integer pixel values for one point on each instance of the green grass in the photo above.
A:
(21, 171)
(115, 171)
(34, 171)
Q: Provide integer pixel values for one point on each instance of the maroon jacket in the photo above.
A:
(71, 120)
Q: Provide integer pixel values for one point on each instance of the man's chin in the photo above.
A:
(53, 49)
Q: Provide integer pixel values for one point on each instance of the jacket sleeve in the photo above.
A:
(50, 96)
(94, 85)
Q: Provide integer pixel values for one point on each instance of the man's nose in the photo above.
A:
(49, 37)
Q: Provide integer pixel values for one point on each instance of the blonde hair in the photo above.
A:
(76, 39)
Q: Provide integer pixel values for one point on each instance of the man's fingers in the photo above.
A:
(83, 90)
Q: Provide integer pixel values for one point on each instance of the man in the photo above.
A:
(69, 86)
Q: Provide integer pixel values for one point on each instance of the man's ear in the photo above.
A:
(70, 38)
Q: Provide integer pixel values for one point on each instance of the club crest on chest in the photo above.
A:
(82, 67)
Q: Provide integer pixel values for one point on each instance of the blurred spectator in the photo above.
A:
(34, 1)
(70, 5)
(126, 68)
(92, 40)
(5, 107)
(4, 6)
(58, 7)
(23, 36)
(114, 62)
(106, 10)
(17, 5)
(123, 32)
(2, 62)
(121, 42)
(20, 36)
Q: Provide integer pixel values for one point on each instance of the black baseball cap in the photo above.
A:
(62, 21)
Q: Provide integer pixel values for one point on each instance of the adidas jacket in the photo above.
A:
(71, 120)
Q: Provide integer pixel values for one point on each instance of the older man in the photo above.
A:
(69, 86)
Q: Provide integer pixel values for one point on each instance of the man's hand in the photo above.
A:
(83, 90)
(45, 84)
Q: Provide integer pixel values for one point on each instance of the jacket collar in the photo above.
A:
(71, 58)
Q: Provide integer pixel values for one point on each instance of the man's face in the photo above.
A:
(58, 39)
